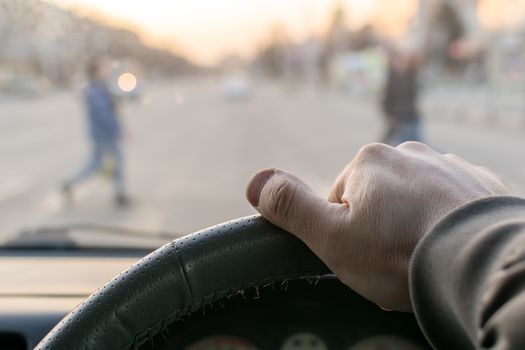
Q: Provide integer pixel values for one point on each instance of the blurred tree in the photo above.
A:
(274, 57)
(450, 23)
(336, 41)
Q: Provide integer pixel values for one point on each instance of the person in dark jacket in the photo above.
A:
(105, 131)
(400, 97)
(418, 231)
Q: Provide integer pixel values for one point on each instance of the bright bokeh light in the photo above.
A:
(495, 14)
(392, 18)
(127, 82)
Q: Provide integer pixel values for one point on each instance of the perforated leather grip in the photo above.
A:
(178, 279)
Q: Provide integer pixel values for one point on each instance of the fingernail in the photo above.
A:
(256, 185)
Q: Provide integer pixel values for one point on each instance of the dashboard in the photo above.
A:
(40, 287)
(306, 341)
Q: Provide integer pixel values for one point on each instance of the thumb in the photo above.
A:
(289, 203)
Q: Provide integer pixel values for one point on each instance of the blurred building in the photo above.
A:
(42, 41)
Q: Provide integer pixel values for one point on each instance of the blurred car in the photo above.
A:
(237, 86)
(21, 86)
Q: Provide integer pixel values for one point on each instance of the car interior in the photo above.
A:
(244, 284)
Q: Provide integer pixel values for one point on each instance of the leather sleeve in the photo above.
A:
(467, 277)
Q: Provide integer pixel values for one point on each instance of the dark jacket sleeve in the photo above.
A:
(467, 277)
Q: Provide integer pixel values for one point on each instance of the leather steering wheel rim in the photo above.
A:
(181, 277)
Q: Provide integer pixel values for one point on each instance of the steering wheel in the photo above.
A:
(182, 277)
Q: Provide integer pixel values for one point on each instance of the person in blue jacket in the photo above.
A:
(105, 131)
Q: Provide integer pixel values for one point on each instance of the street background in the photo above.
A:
(190, 151)
(209, 92)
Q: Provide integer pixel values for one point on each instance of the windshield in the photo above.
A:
(153, 115)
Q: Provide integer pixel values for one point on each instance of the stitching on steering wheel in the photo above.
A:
(178, 314)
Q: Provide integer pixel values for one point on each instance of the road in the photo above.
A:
(190, 152)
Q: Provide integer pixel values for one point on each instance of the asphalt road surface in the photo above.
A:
(190, 152)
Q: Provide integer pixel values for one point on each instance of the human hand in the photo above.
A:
(378, 209)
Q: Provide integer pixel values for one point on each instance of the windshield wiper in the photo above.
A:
(101, 228)
(64, 237)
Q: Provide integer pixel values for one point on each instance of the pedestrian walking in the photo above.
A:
(105, 131)
(400, 98)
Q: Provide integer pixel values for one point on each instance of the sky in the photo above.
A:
(206, 30)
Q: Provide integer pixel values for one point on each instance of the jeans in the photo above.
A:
(103, 149)
(402, 132)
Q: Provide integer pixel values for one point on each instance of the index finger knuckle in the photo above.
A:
(374, 151)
